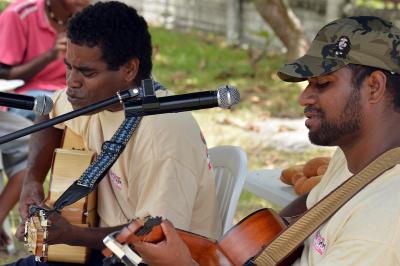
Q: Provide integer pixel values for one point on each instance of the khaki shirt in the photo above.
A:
(366, 230)
(164, 170)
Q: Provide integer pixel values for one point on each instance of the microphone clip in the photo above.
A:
(149, 100)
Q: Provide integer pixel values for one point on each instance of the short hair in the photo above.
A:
(118, 30)
(361, 72)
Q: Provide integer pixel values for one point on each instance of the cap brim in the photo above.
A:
(307, 67)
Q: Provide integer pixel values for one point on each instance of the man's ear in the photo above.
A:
(376, 85)
(131, 69)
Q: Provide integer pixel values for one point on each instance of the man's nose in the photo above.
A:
(73, 79)
(307, 96)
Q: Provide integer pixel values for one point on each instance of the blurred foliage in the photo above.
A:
(186, 62)
(377, 4)
(3, 4)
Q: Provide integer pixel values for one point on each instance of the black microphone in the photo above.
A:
(41, 105)
(225, 97)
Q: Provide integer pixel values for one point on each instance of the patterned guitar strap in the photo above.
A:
(110, 151)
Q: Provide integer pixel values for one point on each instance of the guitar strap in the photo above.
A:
(294, 235)
(110, 151)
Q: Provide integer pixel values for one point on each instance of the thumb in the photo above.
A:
(169, 230)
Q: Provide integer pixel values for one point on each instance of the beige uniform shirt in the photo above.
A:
(366, 230)
(164, 170)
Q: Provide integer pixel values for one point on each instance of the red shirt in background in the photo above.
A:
(25, 33)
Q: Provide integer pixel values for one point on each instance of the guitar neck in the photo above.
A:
(68, 165)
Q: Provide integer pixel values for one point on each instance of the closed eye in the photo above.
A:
(88, 73)
(322, 85)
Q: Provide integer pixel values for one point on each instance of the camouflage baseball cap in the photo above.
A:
(363, 40)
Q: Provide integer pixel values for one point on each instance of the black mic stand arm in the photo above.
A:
(121, 97)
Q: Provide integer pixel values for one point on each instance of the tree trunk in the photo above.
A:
(233, 15)
(334, 10)
(286, 26)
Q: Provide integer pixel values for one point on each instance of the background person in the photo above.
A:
(14, 157)
(32, 45)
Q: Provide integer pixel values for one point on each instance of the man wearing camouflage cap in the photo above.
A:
(352, 101)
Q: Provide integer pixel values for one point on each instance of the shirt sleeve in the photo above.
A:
(13, 40)
(166, 188)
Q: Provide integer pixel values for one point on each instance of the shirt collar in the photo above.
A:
(42, 17)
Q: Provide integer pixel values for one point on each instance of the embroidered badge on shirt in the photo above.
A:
(116, 180)
(319, 243)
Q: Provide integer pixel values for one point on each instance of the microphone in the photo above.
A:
(225, 97)
(41, 104)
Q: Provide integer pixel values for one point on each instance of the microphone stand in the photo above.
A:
(121, 97)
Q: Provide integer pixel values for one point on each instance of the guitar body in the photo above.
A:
(241, 243)
(68, 165)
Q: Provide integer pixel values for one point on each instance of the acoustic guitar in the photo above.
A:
(240, 244)
(69, 162)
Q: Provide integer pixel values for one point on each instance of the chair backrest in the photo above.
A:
(230, 168)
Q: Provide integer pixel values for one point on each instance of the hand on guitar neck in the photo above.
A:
(45, 231)
(177, 247)
(31, 194)
(37, 235)
(160, 255)
(61, 228)
(156, 240)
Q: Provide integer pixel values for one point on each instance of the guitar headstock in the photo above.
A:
(36, 232)
(146, 229)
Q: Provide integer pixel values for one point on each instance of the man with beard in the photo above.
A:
(352, 101)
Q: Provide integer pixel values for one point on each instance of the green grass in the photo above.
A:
(372, 4)
(195, 62)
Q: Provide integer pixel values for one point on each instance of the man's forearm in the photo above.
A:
(4, 71)
(41, 148)
(28, 70)
(296, 208)
(89, 237)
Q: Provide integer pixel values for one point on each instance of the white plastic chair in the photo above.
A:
(230, 168)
